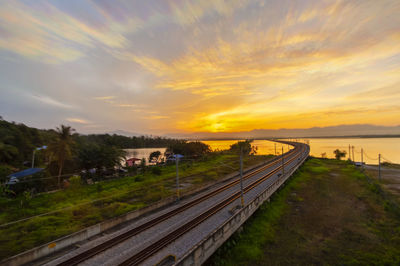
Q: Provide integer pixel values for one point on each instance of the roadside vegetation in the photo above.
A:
(329, 213)
(79, 205)
(67, 151)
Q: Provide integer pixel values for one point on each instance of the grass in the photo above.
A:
(328, 213)
(83, 206)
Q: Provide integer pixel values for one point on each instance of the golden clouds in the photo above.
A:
(77, 120)
(215, 65)
(291, 73)
(188, 12)
(52, 36)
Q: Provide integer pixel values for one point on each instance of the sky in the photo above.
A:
(158, 67)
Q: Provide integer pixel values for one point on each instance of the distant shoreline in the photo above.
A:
(316, 137)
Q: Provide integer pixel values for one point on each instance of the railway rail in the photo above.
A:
(148, 251)
(153, 248)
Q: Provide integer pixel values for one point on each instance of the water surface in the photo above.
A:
(389, 148)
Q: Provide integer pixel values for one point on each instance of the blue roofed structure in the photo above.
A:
(14, 178)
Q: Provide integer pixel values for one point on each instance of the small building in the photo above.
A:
(16, 177)
(131, 162)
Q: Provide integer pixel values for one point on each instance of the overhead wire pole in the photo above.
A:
(33, 158)
(241, 176)
(362, 158)
(349, 152)
(354, 158)
(275, 148)
(283, 165)
(379, 167)
(177, 178)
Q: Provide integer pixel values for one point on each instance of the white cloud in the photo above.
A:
(78, 121)
(50, 101)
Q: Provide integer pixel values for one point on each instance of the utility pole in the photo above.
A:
(33, 155)
(241, 176)
(283, 165)
(379, 167)
(275, 148)
(362, 158)
(349, 152)
(177, 177)
(354, 159)
(33, 158)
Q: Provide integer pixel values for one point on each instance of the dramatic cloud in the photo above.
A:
(169, 66)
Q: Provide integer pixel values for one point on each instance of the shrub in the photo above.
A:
(156, 170)
(75, 181)
(5, 170)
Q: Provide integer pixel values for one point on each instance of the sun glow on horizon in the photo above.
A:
(190, 66)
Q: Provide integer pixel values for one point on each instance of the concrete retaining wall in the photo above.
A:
(208, 245)
(84, 234)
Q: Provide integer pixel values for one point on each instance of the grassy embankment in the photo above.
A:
(329, 213)
(390, 176)
(82, 206)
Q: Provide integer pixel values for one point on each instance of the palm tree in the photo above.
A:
(61, 148)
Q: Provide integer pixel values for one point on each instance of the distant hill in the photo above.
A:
(358, 130)
(125, 133)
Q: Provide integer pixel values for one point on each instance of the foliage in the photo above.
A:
(332, 217)
(75, 181)
(124, 142)
(244, 147)
(17, 142)
(155, 155)
(26, 198)
(5, 191)
(98, 156)
(339, 154)
(190, 149)
(60, 149)
(156, 170)
(83, 206)
(143, 164)
(5, 170)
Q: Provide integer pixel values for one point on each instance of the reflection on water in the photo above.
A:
(264, 147)
(143, 153)
(389, 148)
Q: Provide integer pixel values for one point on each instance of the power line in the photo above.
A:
(387, 160)
(369, 157)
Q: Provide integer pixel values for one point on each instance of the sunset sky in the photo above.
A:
(159, 67)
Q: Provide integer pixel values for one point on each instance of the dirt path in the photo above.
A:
(390, 177)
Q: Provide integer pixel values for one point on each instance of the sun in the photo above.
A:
(217, 127)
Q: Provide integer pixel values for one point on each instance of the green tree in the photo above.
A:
(143, 165)
(194, 148)
(245, 146)
(60, 149)
(154, 154)
(7, 152)
(339, 154)
(98, 156)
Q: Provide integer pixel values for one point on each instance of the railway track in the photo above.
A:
(120, 238)
(155, 247)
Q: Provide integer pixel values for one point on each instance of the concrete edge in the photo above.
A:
(94, 230)
(196, 257)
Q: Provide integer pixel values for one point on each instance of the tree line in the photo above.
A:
(67, 151)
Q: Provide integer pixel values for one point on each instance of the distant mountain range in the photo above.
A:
(358, 130)
(125, 133)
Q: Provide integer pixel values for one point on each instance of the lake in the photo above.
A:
(264, 147)
(389, 148)
(143, 153)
